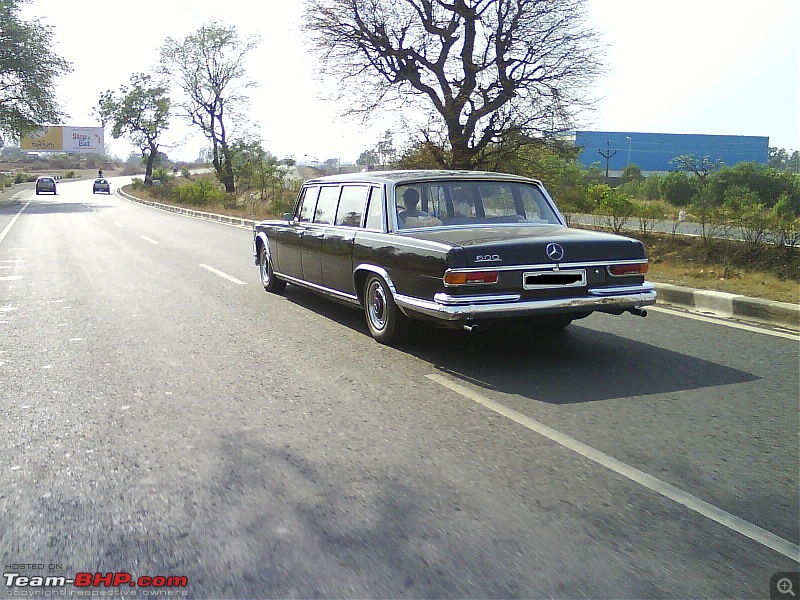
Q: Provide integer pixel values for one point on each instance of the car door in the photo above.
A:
(286, 241)
(314, 233)
(337, 244)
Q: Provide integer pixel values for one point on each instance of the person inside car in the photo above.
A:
(411, 200)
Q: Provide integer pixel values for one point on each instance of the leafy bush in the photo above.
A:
(678, 189)
(69, 175)
(615, 206)
(201, 193)
(162, 174)
(648, 213)
(137, 184)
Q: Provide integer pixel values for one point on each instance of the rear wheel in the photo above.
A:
(385, 321)
(270, 282)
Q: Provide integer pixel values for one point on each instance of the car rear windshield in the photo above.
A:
(472, 203)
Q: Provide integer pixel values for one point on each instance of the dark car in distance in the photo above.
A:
(45, 184)
(457, 248)
(101, 185)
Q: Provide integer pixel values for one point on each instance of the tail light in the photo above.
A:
(471, 277)
(631, 269)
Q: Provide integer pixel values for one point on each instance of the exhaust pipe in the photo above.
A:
(639, 312)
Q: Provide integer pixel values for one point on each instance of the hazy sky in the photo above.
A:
(673, 66)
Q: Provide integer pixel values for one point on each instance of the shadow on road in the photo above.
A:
(576, 365)
(45, 207)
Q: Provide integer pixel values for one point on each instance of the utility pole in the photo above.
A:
(607, 155)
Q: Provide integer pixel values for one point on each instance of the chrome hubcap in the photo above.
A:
(377, 305)
(264, 268)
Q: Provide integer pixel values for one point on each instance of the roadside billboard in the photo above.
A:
(59, 138)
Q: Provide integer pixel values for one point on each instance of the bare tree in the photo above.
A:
(483, 69)
(208, 66)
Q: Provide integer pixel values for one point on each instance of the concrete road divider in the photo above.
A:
(724, 304)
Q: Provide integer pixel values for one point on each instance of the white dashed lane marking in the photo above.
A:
(147, 239)
(745, 528)
(223, 275)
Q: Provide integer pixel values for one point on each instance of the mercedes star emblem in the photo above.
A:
(555, 251)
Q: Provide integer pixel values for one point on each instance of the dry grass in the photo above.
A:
(713, 277)
(765, 272)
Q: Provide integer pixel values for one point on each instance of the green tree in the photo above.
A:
(701, 167)
(368, 158)
(28, 71)
(778, 158)
(765, 181)
(478, 71)
(139, 112)
(631, 173)
(257, 169)
(677, 188)
(385, 149)
(208, 67)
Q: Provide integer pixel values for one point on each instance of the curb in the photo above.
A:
(721, 304)
(724, 304)
(237, 221)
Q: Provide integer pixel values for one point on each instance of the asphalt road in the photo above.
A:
(161, 415)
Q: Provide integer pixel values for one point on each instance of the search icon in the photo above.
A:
(784, 586)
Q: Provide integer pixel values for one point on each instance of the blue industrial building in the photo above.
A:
(651, 152)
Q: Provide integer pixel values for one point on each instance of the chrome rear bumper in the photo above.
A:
(447, 307)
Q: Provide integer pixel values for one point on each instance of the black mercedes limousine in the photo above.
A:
(459, 248)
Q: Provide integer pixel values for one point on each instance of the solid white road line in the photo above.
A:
(147, 239)
(722, 321)
(747, 529)
(223, 275)
(12, 221)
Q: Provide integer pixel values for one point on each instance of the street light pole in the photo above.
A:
(629, 148)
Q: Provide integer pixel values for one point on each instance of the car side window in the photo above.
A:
(326, 205)
(308, 203)
(351, 205)
(375, 210)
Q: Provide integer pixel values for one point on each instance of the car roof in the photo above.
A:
(43, 177)
(416, 176)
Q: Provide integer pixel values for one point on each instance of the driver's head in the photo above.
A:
(411, 198)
